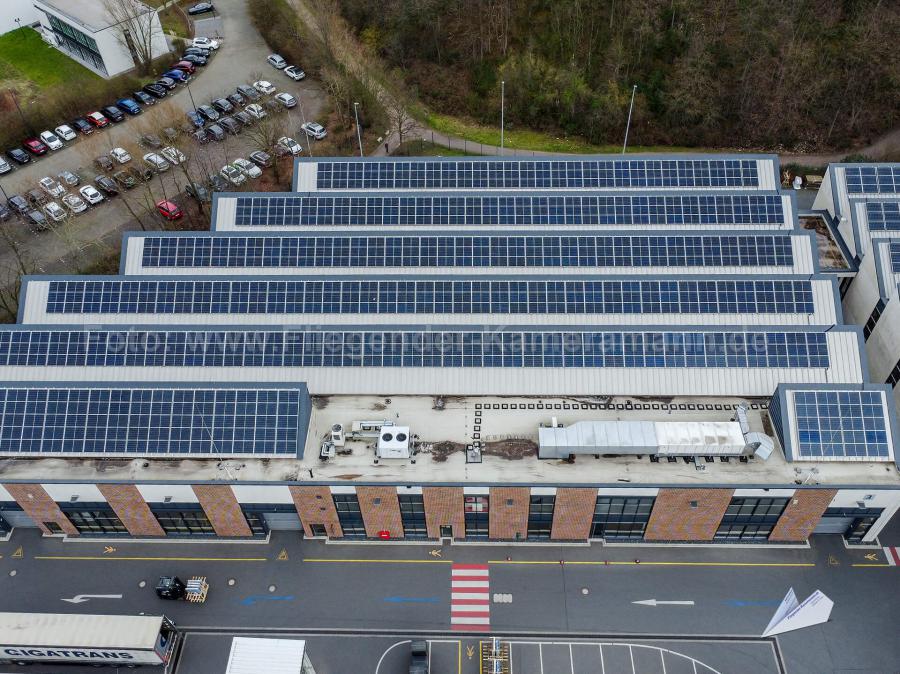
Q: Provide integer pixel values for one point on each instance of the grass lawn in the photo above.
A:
(175, 22)
(25, 56)
(525, 139)
(421, 148)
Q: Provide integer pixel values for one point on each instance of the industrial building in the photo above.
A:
(477, 349)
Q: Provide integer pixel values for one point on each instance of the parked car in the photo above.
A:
(208, 112)
(264, 87)
(193, 59)
(233, 175)
(17, 204)
(156, 90)
(171, 133)
(248, 92)
(113, 113)
(124, 179)
(173, 155)
(166, 82)
(34, 146)
(156, 162)
(222, 105)
(18, 155)
(183, 66)
(129, 105)
(74, 203)
(5, 213)
(255, 110)
(314, 130)
(65, 132)
(217, 183)
(36, 219)
(103, 163)
(55, 212)
(205, 43)
(37, 198)
(215, 132)
(176, 76)
(286, 100)
(83, 126)
(276, 61)
(230, 125)
(261, 159)
(150, 140)
(69, 178)
(120, 154)
(169, 210)
(236, 99)
(249, 169)
(91, 195)
(52, 187)
(201, 8)
(294, 73)
(5, 166)
(201, 136)
(144, 98)
(98, 120)
(243, 118)
(198, 192)
(418, 657)
(141, 173)
(198, 51)
(195, 119)
(286, 145)
(106, 185)
(51, 140)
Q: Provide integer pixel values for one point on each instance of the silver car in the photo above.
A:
(156, 162)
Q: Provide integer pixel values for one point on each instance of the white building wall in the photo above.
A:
(24, 10)
(63, 493)
(883, 345)
(177, 493)
(871, 498)
(863, 294)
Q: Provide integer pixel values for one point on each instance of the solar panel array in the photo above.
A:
(841, 424)
(430, 297)
(895, 256)
(149, 421)
(371, 251)
(883, 215)
(508, 347)
(512, 210)
(873, 179)
(535, 174)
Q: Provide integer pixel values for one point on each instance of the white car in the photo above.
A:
(233, 175)
(276, 61)
(205, 43)
(156, 162)
(255, 110)
(173, 155)
(248, 168)
(52, 187)
(50, 139)
(286, 100)
(287, 145)
(74, 203)
(4, 166)
(264, 87)
(55, 211)
(314, 130)
(65, 132)
(294, 73)
(120, 154)
(91, 195)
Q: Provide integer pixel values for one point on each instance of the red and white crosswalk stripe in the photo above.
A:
(892, 555)
(470, 598)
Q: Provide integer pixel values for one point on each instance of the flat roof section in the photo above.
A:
(90, 14)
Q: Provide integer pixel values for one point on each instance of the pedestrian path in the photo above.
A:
(893, 555)
(470, 603)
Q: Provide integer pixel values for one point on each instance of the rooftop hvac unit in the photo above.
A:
(393, 443)
(337, 435)
(760, 444)
(740, 415)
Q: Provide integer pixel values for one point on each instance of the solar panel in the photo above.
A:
(143, 421)
(895, 257)
(349, 251)
(536, 174)
(883, 215)
(388, 296)
(409, 347)
(873, 179)
(514, 210)
(841, 424)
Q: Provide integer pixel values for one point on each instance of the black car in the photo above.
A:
(195, 59)
(418, 657)
(83, 126)
(235, 99)
(201, 136)
(201, 8)
(198, 51)
(261, 159)
(198, 191)
(37, 198)
(103, 163)
(143, 97)
(244, 118)
(230, 125)
(113, 113)
(167, 83)
(18, 155)
(36, 219)
(151, 141)
(106, 185)
(222, 105)
(248, 92)
(218, 184)
(18, 204)
(208, 112)
(156, 90)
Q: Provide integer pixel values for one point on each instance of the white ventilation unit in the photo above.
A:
(393, 443)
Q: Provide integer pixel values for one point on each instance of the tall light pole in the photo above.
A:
(628, 125)
(358, 132)
(188, 85)
(502, 106)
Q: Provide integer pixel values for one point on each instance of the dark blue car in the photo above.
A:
(129, 106)
(195, 118)
(177, 75)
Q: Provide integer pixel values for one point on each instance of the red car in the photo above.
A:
(169, 210)
(34, 146)
(98, 120)
(186, 66)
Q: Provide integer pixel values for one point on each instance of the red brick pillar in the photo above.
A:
(36, 502)
(508, 513)
(130, 507)
(687, 514)
(801, 515)
(222, 509)
(315, 506)
(444, 506)
(573, 513)
(380, 510)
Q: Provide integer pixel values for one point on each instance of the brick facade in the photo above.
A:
(315, 506)
(444, 506)
(504, 520)
(222, 509)
(573, 513)
(380, 510)
(38, 505)
(801, 515)
(675, 519)
(130, 507)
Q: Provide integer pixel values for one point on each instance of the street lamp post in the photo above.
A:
(628, 124)
(502, 106)
(358, 132)
(194, 105)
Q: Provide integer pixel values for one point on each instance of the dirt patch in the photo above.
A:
(320, 402)
(830, 256)
(441, 450)
(347, 476)
(512, 450)
(378, 407)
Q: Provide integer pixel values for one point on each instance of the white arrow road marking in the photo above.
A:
(656, 602)
(81, 598)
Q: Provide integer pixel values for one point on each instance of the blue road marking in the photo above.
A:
(412, 600)
(252, 599)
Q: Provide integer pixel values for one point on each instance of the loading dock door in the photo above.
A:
(282, 521)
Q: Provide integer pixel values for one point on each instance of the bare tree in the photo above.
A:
(136, 27)
(398, 112)
(264, 135)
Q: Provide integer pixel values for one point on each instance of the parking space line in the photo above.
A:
(602, 665)
(571, 660)
(631, 655)
(541, 656)
(662, 657)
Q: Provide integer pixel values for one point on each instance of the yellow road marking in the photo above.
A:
(870, 565)
(381, 561)
(480, 657)
(83, 558)
(615, 563)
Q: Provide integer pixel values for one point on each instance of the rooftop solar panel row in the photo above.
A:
(873, 179)
(841, 424)
(883, 215)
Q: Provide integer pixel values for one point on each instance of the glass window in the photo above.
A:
(477, 517)
(412, 513)
(184, 519)
(94, 519)
(540, 517)
(621, 517)
(750, 519)
(349, 515)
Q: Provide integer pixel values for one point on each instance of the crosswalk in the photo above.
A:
(892, 555)
(470, 603)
